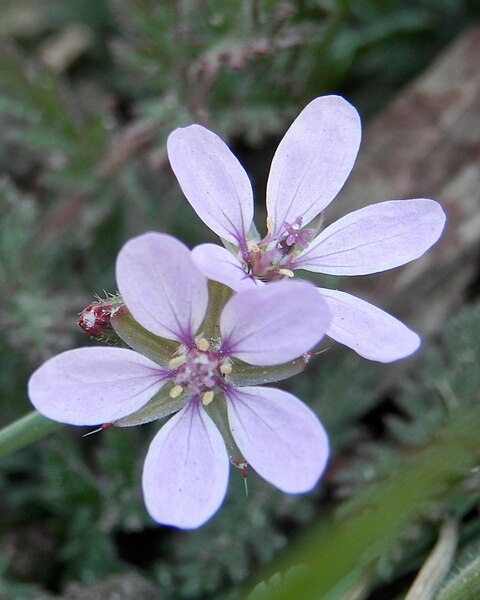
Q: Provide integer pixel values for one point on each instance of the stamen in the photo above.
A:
(177, 361)
(202, 344)
(253, 247)
(286, 272)
(176, 391)
(207, 398)
(226, 369)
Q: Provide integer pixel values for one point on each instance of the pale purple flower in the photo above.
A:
(309, 168)
(186, 469)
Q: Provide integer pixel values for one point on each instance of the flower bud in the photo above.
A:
(95, 318)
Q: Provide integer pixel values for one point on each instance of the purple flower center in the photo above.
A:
(200, 370)
(271, 259)
(296, 236)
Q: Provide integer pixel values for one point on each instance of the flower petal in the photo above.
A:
(161, 286)
(185, 474)
(375, 238)
(273, 324)
(89, 386)
(219, 264)
(370, 331)
(313, 160)
(213, 181)
(279, 436)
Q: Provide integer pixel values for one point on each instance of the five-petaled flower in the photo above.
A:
(309, 168)
(187, 369)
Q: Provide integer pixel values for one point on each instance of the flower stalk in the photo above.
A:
(25, 431)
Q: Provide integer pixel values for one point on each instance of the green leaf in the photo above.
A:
(332, 551)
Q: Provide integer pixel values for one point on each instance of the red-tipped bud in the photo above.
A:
(95, 318)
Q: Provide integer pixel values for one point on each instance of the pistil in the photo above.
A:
(198, 370)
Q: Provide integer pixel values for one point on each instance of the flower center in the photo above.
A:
(198, 371)
(271, 259)
(295, 236)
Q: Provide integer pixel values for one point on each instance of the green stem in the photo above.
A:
(25, 431)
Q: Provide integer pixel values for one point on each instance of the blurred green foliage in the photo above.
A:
(89, 91)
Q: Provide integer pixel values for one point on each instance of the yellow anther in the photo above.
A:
(286, 272)
(253, 247)
(270, 225)
(207, 398)
(226, 369)
(177, 361)
(176, 391)
(202, 344)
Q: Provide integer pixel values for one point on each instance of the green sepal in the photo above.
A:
(218, 296)
(217, 411)
(161, 405)
(244, 374)
(158, 349)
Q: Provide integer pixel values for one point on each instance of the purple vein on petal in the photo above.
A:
(236, 234)
(148, 269)
(213, 181)
(299, 260)
(295, 194)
